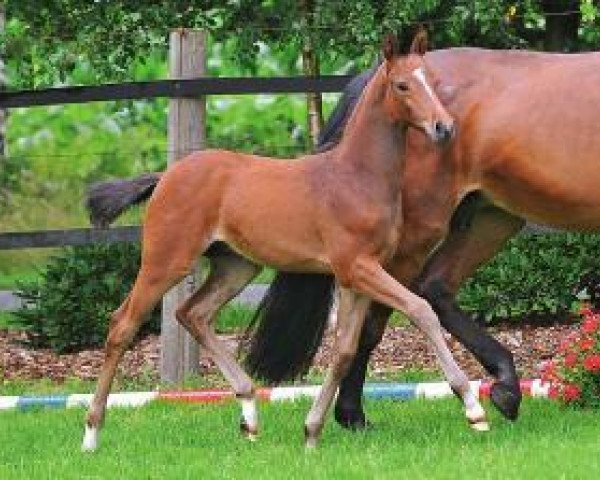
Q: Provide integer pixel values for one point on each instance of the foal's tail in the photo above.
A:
(107, 200)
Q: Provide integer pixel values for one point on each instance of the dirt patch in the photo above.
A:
(402, 348)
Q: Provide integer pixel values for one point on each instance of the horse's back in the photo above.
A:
(542, 134)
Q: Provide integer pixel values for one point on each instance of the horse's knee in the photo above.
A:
(421, 312)
(434, 289)
(193, 321)
(121, 331)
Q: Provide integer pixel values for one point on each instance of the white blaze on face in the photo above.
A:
(419, 74)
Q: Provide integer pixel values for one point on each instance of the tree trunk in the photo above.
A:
(310, 67)
(561, 30)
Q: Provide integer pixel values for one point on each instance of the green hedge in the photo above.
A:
(68, 308)
(532, 275)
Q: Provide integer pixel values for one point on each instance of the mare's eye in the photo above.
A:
(401, 86)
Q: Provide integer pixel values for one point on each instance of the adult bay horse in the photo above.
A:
(527, 148)
(342, 215)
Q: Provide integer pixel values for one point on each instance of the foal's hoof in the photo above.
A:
(480, 425)
(507, 399)
(250, 433)
(90, 440)
(310, 439)
(354, 420)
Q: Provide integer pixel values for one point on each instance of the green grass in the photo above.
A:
(417, 439)
(233, 318)
(9, 280)
(6, 319)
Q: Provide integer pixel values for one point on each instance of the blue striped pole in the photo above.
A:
(396, 391)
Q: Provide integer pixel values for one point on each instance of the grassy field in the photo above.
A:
(417, 439)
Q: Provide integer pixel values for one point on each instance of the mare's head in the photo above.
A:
(409, 96)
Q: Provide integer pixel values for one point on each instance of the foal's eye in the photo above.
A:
(401, 86)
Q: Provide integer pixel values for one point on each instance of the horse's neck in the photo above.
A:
(371, 141)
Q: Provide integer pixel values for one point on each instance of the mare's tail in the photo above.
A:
(288, 326)
(289, 323)
(107, 200)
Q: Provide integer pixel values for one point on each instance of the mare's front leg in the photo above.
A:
(471, 242)
(349, 412)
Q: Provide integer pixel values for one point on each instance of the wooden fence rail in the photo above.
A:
(177, 88)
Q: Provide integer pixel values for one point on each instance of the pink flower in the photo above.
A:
(548, 371)
(553, 391)
(592, 363)
(587, 343)
(590, 324)
(570, 360)
(571, 392)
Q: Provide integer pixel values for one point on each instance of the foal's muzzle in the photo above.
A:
(443, 132)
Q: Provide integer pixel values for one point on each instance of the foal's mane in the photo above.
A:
(369, 85)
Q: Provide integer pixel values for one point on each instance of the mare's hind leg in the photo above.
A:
(228, 275)
(351, 314)
(370, 278)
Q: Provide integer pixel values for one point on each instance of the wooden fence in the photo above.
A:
(196, 87)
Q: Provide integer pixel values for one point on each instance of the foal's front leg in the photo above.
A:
(373, 280)
(351, 314)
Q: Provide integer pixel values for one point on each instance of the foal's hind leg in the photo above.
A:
(149, 287)
(228, 275)
(373, 280)
(351, 315)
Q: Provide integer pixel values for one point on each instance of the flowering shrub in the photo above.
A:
(574, 373)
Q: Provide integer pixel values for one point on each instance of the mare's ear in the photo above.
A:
(419, 43)
(390, 46)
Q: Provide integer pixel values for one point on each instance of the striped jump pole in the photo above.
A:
(392, 391)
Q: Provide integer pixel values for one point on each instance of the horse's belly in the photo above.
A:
(563, 202)
(277, 244)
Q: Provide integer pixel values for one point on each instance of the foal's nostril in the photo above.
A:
(443, 132)
(440, 129)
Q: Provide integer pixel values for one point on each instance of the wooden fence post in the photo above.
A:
(179, 351)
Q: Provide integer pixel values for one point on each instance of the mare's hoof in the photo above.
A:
(354, 420)
(248, 432)
(507, 399)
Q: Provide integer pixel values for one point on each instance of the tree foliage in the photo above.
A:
(47, 39)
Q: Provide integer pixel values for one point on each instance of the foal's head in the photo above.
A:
(409, 96)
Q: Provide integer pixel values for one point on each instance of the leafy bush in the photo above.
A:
(68, 308)
(532, 275)
(574, 373)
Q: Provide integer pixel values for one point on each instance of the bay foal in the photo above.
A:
(342, 214)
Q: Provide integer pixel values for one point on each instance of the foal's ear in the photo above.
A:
(391, 46)
(419, 43)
